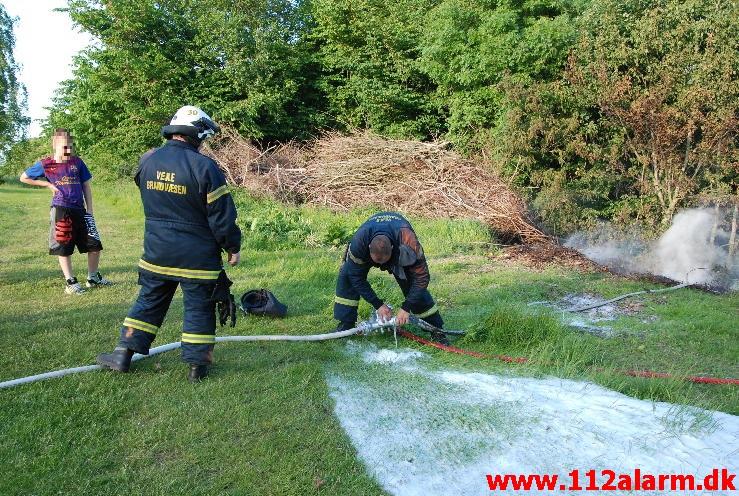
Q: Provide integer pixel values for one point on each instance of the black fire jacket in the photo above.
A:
(190, 215)
(406, 263)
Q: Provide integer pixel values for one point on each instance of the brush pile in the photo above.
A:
(342, 172)
(276, 171)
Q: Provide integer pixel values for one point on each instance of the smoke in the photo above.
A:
(694, 249)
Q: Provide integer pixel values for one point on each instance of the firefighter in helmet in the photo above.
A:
(190, 224)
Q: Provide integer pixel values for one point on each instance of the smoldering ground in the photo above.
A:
(695, 249)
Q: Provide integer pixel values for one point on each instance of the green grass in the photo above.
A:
(263, 422)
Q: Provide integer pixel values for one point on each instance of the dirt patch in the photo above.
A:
(540, 256)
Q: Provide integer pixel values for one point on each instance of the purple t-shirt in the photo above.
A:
(66, 176)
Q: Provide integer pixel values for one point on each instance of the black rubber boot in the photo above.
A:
(344, 326)
(435, 320)
(440, 338)
(197, 372)
(119, 360)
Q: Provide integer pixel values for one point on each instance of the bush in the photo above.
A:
(641, 121)
(283, 228)
(338, 233)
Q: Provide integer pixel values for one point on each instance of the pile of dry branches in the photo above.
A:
(342, 172)
(275, 171)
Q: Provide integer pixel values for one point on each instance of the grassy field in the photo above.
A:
(263, 423)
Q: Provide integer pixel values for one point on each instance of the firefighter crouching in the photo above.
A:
(386, 240)
(190, 221)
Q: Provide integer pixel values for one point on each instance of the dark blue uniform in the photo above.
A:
(407, 264)
(190, 221)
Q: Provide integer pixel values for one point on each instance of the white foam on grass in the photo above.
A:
(391, 356)
(427, 432)
(588, 320)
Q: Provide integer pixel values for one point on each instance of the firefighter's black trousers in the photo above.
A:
(147, 314)
(347, 301)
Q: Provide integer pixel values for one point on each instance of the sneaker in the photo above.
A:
(73, 287)
(98, 280)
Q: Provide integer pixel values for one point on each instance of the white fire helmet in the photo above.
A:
(192, 122)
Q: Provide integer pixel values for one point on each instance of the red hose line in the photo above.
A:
(460, 351)
(509, 359)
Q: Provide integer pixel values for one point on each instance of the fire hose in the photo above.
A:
(363, 328)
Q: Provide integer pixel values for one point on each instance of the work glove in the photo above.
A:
(227, 310)
(225, 303)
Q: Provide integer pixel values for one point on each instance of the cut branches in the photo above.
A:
(346, 171)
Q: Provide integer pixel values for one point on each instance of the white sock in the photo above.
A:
(92, 275)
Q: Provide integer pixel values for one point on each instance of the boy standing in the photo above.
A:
(72, 223)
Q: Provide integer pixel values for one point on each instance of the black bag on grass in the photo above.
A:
(262, 302)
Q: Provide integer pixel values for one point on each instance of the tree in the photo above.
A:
(246, 62)
(668, 80)
(369, 51)
(644, 117)
(470, 47)
(13, 122)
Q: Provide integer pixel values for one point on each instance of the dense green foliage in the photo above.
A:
(13, 122)
(244, 61)
(596, 109)
(644, 117)
(369, 51)
(24, 153)
(470, 47)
